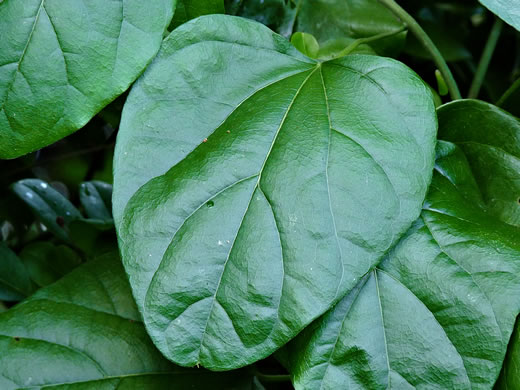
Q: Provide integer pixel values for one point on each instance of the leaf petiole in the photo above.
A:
(361, 41)
(485, 59)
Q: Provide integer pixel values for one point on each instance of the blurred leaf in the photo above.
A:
(278, 15)
(46, 262)
(447, 39)
(490, 139)
(84, 332)
(332, 19)
(92, 236)
(96, 199)
(15, 283)
(191, 9)
(306, 44)
(71, 170)
(52, 208)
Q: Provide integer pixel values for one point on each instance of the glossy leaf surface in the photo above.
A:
(84, 332)
(96, 199)
(507, 10)
(272, 192)
(60, 63)
(490, 140)
(437, 313)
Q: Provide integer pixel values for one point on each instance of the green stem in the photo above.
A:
(485, 59)
(510, 90)
(360, 41)
(428, 44)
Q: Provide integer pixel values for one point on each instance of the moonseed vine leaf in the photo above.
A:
(85, 333)
(254, 186)
(490, 139)
(63, 61)
(436, 313)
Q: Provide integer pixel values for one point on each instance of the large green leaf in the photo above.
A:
(61, 62)
(273, 190)
(507, 10)
(437, 313)
(84, 332)
(490, 139)
(330, 20)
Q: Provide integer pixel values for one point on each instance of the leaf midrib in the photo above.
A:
(257, 185)
(10, 85)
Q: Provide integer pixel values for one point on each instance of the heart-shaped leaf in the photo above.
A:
(61, 62)
(490, 140)
(84, 332)
(278, 185)
(436, 313)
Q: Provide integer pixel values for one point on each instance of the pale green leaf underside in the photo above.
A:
(84, 332)
(61, 62)
(437, 313)
(507, 10)
(263, 185)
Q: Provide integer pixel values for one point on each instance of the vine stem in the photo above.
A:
(428, 44)
(360, 41)
(509, 92)
(485, 59)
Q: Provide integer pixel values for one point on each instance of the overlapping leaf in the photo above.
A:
(490, 140)
(84, 332)
(436, 313)
(255, 186)
(61, 62)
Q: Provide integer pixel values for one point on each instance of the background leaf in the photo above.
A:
(241, 233)
(328, 20)
(490, 140)
(96, 199)
(46, 262)
(52, 208)
(60, 63)
(15, 283)
(84, 332)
